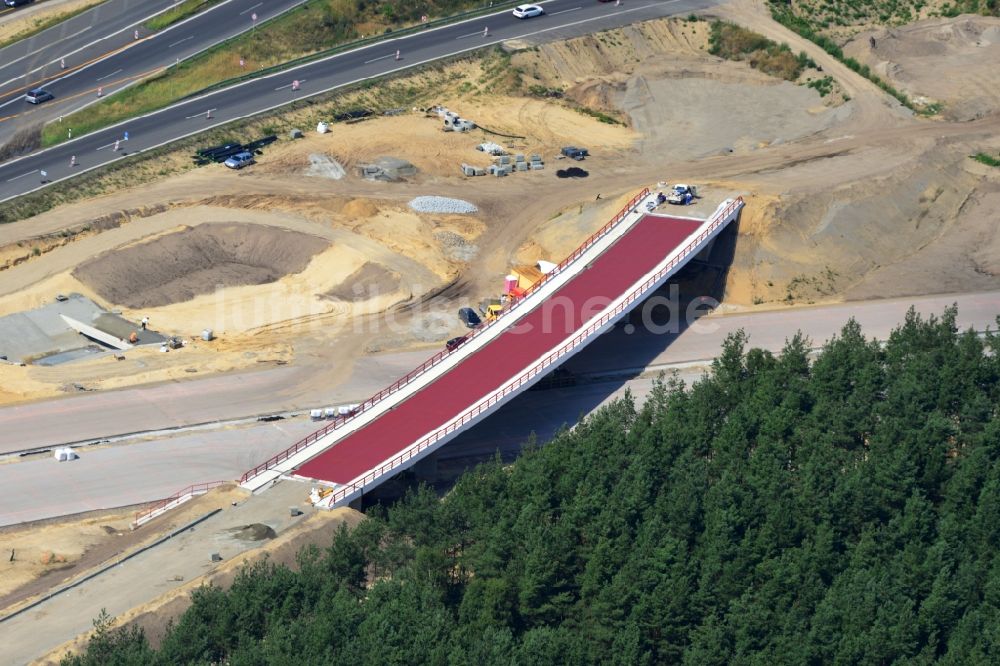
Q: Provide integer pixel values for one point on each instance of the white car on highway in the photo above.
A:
(527, 11)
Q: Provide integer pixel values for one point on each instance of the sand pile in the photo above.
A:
(255, 532)
(179, 266)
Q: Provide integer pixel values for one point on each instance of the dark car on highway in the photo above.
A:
(16, 3)
(37, 96)
(469, 317)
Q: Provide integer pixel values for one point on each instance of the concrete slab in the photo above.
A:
(43, 333)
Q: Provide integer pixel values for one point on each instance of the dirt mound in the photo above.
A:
(255, 532)
(181, 265)
(369, 281)
(913, 58)
(919, 231)
(359, 208)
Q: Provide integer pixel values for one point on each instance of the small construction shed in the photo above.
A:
(526, 275)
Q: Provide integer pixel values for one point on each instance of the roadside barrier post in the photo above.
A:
(72, 161)
(62, 63)
(100, 91)
(486, 31)
(397, 54)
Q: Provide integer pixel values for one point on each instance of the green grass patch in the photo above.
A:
(733, 42)
(179, 12)
(823, 86)
(306, 31)
(984, 7)
(988, 160)
(43, 24)
(599, 115)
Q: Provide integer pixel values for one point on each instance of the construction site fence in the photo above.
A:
(194, 489)
(541, 366)
(340, 421)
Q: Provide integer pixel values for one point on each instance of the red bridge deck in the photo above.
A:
(541, 330)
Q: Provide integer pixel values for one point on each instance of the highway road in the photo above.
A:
(99, 49)
(565, 18)
(87, 417)
(157, 465)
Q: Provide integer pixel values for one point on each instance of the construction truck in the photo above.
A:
(492, 312)
(575, 153)
(682, 194)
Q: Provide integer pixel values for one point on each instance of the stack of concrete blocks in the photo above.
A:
(519, 163)
(502, 166)
(536, 162)
(469, 170)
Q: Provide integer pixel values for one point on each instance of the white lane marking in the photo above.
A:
(368, 62)
(289, 85)
(471, 34)
(563, 11)
(201, 115)
(632, 8)
(180, 42)
(47, 46)
(117, 71)
(19, 98)
(251, 8)
(22, 175)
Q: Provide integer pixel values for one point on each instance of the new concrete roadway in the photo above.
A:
(564, 19)
(108, 47)
(155, 466)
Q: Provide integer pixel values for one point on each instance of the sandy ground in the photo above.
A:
(846, 199)
(855, 200)
(914, 57)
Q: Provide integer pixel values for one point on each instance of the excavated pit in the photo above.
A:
(178, 266)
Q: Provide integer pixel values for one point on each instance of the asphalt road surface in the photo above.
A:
(157, 466)
(98, 49)
(564, 19)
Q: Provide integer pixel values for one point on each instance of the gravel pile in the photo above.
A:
(456, 247)
(441, 205)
